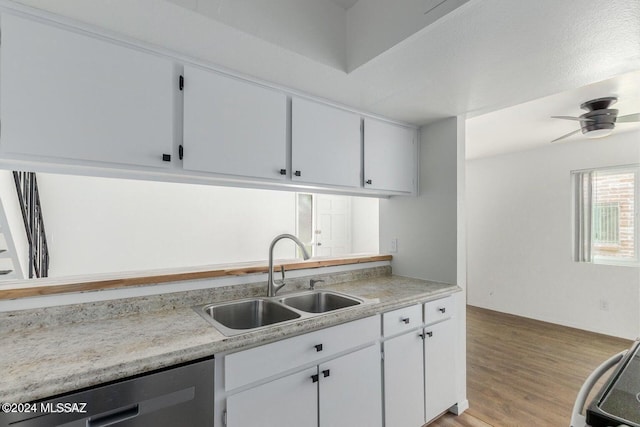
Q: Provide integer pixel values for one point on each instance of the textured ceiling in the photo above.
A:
(528, 126)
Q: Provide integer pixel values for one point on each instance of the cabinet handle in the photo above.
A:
(283, 171)
(369, 182)
(442, 309)
(326, 373)
(318, 347)
(314, 378)
(166, 157)
(406, 320)
(297, 173)
(430, 334)
(423, 336)
(117, 417)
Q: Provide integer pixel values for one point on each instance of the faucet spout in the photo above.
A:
(274, 285)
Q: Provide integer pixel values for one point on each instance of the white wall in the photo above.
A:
(364, 225)
(426, 225)
(100, 225)
(519, 239)
(430, 228)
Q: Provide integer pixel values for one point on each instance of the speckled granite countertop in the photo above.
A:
(109, 341)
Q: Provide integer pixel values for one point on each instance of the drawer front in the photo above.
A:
(403, 319)
(437, 310)
(248, 366)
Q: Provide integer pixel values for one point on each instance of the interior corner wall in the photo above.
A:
(520, 239)
(426, 225)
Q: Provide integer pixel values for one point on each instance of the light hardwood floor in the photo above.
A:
(523, 372)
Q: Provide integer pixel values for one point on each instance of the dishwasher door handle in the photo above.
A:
(577, 419)
(115, 417)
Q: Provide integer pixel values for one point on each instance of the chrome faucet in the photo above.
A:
(274, 285)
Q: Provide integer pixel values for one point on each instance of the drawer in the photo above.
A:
(439, 309)
(248, 366)
(403, 319)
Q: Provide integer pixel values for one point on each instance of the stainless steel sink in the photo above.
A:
(239, 317)
(319, 301)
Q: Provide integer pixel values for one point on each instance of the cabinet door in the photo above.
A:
(325, 144)
(404, 380)
(291, 401)
(351, 391)
(233, 127)
(69, 95)
(390, 156)
(439, 362)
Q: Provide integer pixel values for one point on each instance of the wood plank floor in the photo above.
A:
(523, 372)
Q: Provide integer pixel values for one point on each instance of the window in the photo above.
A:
(606, 215)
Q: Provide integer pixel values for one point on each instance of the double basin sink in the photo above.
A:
(237, 317)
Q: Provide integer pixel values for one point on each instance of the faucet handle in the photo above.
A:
(312, 283)
(282, 272)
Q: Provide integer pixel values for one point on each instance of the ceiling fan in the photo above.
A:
(599, 120)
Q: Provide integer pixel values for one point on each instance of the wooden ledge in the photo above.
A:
(36, 287)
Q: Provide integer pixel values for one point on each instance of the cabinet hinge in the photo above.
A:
(180, 152)
(181, 83)
(224, 418)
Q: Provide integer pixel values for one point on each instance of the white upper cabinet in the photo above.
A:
(233, 127)
(325, 144)
(390, 156)
(72, 96)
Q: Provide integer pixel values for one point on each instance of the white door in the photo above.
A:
(351, 390)
(404, 380)
(390, 156)
(68, 95)
(233, 127)
(439, 362)
(333, 225)
(291, 401)
(325, 144)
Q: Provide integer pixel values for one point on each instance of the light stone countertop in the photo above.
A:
(39, 361)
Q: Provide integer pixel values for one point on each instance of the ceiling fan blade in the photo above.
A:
(579, 119)
(567, 135)
(629, 118)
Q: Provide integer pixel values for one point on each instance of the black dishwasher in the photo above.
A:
(178, 396)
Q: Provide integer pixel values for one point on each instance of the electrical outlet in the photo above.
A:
(394, 245)
(604, 305)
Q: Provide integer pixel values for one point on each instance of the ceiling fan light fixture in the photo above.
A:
(599, 120)
(598, 133)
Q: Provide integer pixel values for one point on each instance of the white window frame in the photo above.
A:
(582, 239)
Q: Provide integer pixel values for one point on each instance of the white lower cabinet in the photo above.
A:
(351, 392)
(403, 380)
(419, 367)
(327, 378)
(288, 401)
(345, 391)
(439, 368)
